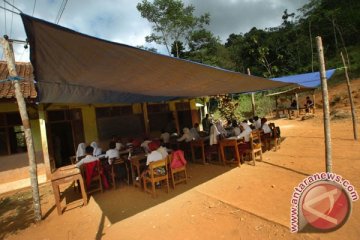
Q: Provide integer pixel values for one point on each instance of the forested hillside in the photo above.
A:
(287, 49)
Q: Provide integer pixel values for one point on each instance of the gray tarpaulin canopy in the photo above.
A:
(70, 67)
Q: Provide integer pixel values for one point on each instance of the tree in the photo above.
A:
(177, 49)
(172, 21)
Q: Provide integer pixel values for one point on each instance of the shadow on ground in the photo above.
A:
(127, 201)
(17, 212)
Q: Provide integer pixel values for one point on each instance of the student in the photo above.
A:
(257, 122)
(186, 136)
(88, 158)
(97, 151)
(112, 152)
(165, 137)
(80, 152)
(245, 134)
(206, 123)
(194, 131)
(309, 104)
(265, 127)
(236, 130)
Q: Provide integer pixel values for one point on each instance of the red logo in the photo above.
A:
(325, 206)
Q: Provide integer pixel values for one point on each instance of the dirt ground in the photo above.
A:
(218, 202)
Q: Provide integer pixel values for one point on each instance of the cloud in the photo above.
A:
(120, 21)
(239, 16)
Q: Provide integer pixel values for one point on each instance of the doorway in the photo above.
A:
(62, 142)
(65, 131)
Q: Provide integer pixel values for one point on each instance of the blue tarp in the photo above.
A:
(306, 79)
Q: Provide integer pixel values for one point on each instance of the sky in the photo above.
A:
(120, 21)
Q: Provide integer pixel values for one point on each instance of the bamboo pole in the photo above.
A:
(252, 97)
(326, 108)
(9, 55)
(353, 113)
(297, 104)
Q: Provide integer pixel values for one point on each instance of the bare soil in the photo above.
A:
(218, 202)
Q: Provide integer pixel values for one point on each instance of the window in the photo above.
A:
(12, 136)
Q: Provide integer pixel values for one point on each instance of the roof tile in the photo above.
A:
(24, 70)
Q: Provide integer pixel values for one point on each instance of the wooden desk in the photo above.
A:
(64, 175)
(232, 142)
(198, 144)
(135, 164)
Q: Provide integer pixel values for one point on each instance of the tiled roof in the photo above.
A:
(24, 70)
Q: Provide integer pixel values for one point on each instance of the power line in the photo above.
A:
(12, 20)
(5, 17)
(12, 5)
(5, 9)
(33, 8)
(61, 10)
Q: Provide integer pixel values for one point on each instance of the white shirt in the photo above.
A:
(112, 153)
(245, 134)
(119, 146)
(97, 151)
(165, 137)
(153, 157)
(194, 133)
(163, 152)
(80, 151)
(266, 128)
(214, 133)
(236, 131)
(145, 145)
(187, 136)
(257, 124)
(86, 159)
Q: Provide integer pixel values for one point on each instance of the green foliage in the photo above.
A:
(171, 21)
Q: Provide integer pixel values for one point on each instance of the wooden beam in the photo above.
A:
(146, 118)
(252, 97)
(9, 55)
(44, 141)
(326, 108)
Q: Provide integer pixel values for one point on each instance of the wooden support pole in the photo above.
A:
(146, 118)
(326, 108)
(353, 113)
(297, 104)
(9, 55)
(44, 141)
(314, 106)
(252, 97)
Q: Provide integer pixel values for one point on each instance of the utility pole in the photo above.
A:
(252, 97)
(326, 108)
(9, 55)
(353, 113)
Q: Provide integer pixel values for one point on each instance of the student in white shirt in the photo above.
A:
(80, 152)
(112, 152)
(145, 145)
(97, 151)
(236, 130)
(194, 132)
(257, 122)
(88, 158)
(265, 127)
(165, 136)
(187, 136)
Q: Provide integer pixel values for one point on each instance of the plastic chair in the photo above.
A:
(156, 173)
(177, 168)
